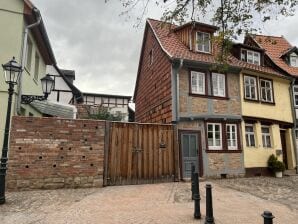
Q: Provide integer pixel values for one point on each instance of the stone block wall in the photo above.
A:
(50, 153)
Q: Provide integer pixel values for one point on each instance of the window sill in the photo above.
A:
(251, 100)
(36, 82)
(209, 96)
(269, 103)
(203, 52)
(223, 151)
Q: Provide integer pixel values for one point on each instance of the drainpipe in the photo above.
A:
(291, 89)
(24, 51)
(175, 89)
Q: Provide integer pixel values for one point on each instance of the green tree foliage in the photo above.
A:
(103, 113)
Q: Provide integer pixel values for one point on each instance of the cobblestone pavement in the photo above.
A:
(167, 203)
(283, 190)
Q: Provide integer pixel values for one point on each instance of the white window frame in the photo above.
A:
(266, 88)
(29, 55)
(203, 42)
(36, 66)
(199, 76)
(264, 135)
(230, 136)
(220, 89)
(248, 143)
(253, 57)
(294, 56)
(214, 147)
(250, 87)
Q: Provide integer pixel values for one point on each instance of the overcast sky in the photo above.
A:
(90, 37)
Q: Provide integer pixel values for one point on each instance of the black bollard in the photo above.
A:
(192, 180)
(209, 208)
(268, 217)
(196, 196)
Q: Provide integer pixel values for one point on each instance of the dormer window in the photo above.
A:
(203, 42)
(252, 57)
(294, 60)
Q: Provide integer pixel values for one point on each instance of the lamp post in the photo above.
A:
(47, 84)
(12, 71)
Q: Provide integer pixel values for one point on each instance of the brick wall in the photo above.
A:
(153, 94)
(48, 153)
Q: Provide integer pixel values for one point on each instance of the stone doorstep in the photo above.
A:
(290, 173)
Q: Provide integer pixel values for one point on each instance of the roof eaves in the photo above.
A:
(142, 50)
(77, 93)
(158, 40)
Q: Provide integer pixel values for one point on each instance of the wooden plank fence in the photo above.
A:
(140, 153)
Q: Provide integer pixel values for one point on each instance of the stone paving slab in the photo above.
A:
(167, 203)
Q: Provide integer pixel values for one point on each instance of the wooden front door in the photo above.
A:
(284, 147)
(190, 154)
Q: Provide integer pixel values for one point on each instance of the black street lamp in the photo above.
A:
(47, 84)
(12, 71)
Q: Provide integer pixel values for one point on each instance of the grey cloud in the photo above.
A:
(90, 37)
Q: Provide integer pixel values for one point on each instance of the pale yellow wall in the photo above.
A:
(290, 149)
(282, 110)
(11, 40)
(258, 156)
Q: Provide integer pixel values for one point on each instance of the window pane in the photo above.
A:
(252, 140)
(268, 141)
(193, 146)
(185, 146)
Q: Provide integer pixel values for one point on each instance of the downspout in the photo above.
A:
(175, 90)
(291, 89)
(24, 51)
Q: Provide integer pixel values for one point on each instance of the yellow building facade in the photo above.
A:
(268, 120)
(15, 15)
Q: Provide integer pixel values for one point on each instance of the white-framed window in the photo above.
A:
(36, 68)
(295, 91)
(252, 57)
(250, 135)
(203, 42)
(218, 84)
(294, 60)
(266, 90)
(232, 136)
(266, 136)
(197, 82)
(29, 54)
(214, 136)
(250, 87)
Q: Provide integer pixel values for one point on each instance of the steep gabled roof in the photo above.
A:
(175, 49)
(275, 49)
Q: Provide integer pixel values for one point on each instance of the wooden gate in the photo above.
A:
(140, 153)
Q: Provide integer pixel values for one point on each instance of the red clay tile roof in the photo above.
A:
(174, 48)
(275, 47)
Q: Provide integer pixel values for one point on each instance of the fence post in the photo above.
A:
(196, 196)
(106, 153)
(209, 208)
(268, 217)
